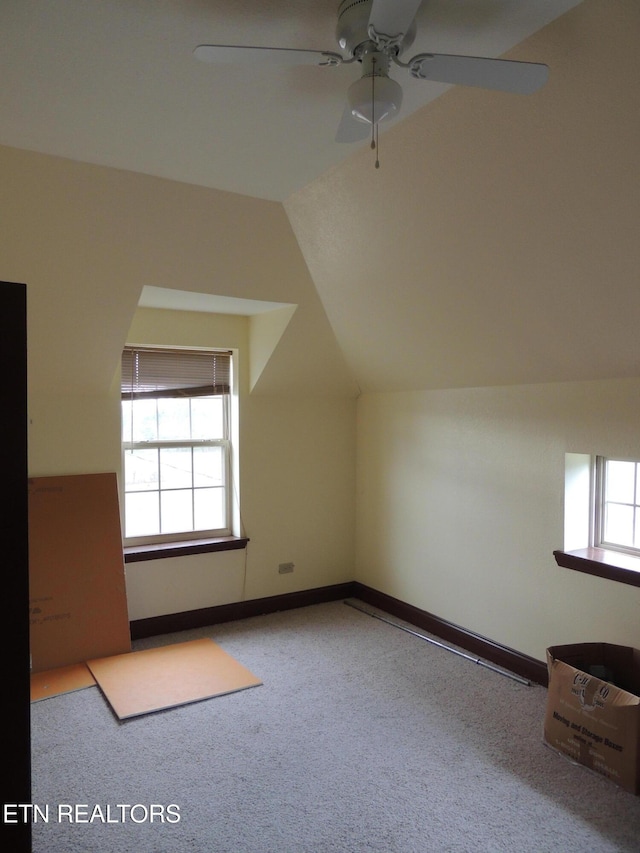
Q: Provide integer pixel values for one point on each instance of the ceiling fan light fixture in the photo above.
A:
(375, 34)
(373, 100)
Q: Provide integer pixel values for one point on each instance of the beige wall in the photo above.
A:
(296, 484)
(460, 505)
(85, 240)
(458, 498)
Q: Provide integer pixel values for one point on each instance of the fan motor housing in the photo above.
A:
(352, 30)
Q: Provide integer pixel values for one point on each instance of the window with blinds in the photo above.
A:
(176, 444)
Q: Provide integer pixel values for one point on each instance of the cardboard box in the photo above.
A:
(593, 709)
(77, 592)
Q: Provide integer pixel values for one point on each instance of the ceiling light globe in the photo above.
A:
(374, 103)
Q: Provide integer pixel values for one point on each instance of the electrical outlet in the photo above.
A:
(285, 568)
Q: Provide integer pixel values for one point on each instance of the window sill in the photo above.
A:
(612, 565)
(138, 553)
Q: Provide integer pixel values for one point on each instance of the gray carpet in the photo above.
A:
(362, 738)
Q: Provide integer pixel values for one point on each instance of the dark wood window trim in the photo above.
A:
(138, 553)
(612, 565)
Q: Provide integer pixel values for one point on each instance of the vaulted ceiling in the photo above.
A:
(116, 83)
(497, 242)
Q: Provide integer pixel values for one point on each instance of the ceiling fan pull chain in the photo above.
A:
(374, 123)
(373, 98)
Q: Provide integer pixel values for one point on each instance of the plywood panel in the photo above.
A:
(77, 597)
(65, 679)
(153, 679)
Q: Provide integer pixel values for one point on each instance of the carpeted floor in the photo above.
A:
(362, 738)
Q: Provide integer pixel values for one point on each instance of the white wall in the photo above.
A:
(460, 505)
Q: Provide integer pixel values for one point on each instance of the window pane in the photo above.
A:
(620, 481)
(207, 417)
(145, 425)
(208, 466)
(177, 511)
(141, 514)
(175, 481)
(619, 524)
(209, 509)
(175, 468)
(140, 470)
(174, 420)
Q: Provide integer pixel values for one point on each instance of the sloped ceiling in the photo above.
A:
(497, 241)
(87, 240)
(115, 83)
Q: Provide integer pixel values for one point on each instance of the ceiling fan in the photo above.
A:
(375, 33)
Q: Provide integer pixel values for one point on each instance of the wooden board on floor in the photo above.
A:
(77, 595)
(64, 679)
(165, 677)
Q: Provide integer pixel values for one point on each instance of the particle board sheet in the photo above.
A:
(64, 679)
(154, 679)
(77, 594)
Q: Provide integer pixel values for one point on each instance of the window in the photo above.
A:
(176, 444)
(601, 518)
(617, 508)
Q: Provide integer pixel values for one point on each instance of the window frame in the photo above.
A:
(599, 539)
(190, 539)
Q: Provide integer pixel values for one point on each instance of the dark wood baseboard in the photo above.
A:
(490, 651)
(240, 610)
(514, 661)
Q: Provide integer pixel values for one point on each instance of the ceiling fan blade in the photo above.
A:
(393, 17)
(521, 78)
(236, 54)
(350, 129)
